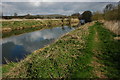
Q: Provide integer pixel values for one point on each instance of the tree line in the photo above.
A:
(29, 16)
(110, 12)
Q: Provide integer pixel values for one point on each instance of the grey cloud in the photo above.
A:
(59, 0)
(66, 8)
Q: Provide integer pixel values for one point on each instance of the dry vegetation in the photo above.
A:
(113, 26)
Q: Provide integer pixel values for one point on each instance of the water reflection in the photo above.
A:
(16, 47)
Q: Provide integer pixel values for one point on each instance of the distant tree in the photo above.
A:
(108, 7)
(76, 15)
(15, 14)
(27, 16)
(87, 16)
(2, 14)
(37, 16)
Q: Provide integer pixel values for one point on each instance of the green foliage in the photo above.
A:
(110, 13)
(97, 16)
(76, 15)
(87, 15)
(28, 16)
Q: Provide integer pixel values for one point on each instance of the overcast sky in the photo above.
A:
(59, 0)
(44, 7)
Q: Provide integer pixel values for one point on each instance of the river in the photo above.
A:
(15, 48)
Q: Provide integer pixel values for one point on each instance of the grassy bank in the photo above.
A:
(26, 30)
(87, 52)
(16, 24)
(108, 52)
(16, 27)
(113, 26)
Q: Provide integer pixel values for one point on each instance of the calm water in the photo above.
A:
(16, 47)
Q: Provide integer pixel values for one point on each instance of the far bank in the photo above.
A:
(19, 26)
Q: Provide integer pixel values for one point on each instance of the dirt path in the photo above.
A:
(97, 71)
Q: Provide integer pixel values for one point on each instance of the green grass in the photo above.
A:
(71, 56)
(110, 52)
(29, 23)
(26, 23)
(6, 68)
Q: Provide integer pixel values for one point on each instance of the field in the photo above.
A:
(90, 51)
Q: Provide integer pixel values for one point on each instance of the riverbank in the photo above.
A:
(19, 26)
(87, 52)
(113, 26)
